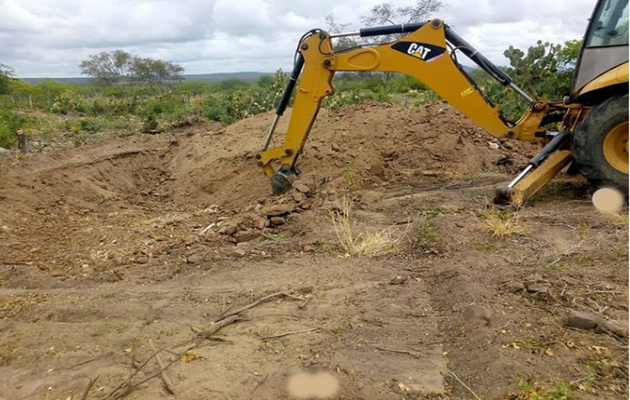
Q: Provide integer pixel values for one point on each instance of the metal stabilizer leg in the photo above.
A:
(540, 170)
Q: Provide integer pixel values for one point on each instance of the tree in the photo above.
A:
(120, 67)
(109, 68)
(6, 76)
(544, 70)
(388, 14)
(148, 70)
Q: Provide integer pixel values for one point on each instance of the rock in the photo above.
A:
(514, 287)
(240, 252)
(277, 221)
(194, 258)
(246, 236)
(228, 229)
(582, 320)
(308, 249)
(615, 327)
(399, 280)
(569, 280)
(477, 312)
(5, 152)
(302, 187)
(142, 260)
(299, 196)
(250, 220)
(335, 147)
(537, 288)
(335, 206)
(534, 278)
(276, 210)
(494, 146)
(430, 173)
(191, 240)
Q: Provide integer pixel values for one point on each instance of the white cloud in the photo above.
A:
(50, 37)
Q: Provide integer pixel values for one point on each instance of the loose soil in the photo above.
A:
(108, 245)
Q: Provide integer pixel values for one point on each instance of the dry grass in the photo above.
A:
(620, 219)
(368, 243)
(504, 225)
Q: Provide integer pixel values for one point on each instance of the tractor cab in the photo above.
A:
(602, 68)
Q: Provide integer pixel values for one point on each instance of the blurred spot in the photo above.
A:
(321, 385)
(608, 200)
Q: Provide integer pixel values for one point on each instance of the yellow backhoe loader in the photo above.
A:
(594, 116)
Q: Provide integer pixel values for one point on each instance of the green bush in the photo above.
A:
(10, 123)
(91, 125)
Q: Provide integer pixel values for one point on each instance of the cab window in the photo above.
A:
(610, 24)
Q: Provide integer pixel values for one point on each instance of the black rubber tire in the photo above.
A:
(588, 139)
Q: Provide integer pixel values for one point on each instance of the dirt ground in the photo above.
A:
(107, 246)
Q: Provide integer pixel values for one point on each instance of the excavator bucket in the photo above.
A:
(280, 184)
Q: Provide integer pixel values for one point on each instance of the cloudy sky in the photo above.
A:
(48, 38)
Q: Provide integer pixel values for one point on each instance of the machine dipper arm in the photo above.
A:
(426, 54)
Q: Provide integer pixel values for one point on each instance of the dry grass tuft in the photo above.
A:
(504, 225)
(620, 219)
(366, 243)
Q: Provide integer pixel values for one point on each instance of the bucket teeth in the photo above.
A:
(280, 184)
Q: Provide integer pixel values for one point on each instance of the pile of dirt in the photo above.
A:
(364, 145)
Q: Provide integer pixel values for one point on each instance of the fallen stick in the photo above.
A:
(131, 388)
(229, 320)
(165, 378)
(257, 302)
(305, 302)
(289, 333)
(86, 392)
(418, 354)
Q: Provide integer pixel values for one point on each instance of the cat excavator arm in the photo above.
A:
(428, 54)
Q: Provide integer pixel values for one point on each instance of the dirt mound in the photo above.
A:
(365, 145)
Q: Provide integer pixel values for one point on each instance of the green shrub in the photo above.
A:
(10, 123)
(90, 125)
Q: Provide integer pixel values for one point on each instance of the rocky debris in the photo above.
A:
(478, 312)
(5, 152)
(243, 221)
(265, 215)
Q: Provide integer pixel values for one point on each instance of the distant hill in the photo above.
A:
(217, 77)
